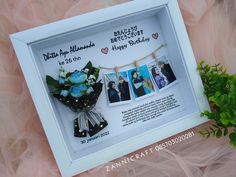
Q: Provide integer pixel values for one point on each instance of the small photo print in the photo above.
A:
(117, 88)
(161, 72)
(140, 82)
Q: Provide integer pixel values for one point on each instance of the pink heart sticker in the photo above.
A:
(155, 35)
(105, 50)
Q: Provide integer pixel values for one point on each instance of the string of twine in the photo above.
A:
(116, 68)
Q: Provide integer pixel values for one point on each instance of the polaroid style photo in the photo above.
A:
(166, 69)
(117, 88)
(140, 82)
(159, 79)
(162, 73)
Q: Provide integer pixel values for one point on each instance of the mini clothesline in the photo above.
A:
(116, 68)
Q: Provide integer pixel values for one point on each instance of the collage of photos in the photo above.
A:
(137, 83)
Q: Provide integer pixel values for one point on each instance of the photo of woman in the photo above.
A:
(159, 78)
(123, 88)
(113, 92)
(118, 89)
(161, 72)
(140, 81)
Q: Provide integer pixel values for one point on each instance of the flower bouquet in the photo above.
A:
(79, 90)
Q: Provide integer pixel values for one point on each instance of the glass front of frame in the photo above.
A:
(137, 97)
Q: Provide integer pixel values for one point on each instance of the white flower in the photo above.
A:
(62, 72)
(90, 81)
(92, 77)
(86, 70)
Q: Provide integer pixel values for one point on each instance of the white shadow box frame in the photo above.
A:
(168, 16)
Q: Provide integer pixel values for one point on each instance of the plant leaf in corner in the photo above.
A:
(53, 84)
(89, 66)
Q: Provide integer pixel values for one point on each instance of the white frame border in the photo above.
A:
(68, 167)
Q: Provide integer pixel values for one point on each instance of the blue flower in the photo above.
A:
(78, 90)
(78, 77)
(61, 80)
(64, 93)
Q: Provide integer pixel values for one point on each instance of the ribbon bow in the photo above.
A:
(90, 121)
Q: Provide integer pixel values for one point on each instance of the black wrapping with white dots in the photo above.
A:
(84, 103)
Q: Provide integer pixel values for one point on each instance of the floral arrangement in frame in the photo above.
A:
(79, 90)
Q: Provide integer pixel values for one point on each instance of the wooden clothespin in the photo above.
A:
(136, 64)
(155, 57)
(117, 71)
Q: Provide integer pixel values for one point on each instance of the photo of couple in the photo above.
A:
(162, 73)
(117, 87)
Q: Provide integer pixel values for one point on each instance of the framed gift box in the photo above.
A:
(112, 81)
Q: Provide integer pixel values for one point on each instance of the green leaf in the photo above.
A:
(225, 118)
(202, 133)
(202, 114)
(233, 144)
(218, 133)
(205, 113)
(233, 120)
(212, 129)
(53, 84)
(92, 70)
(224, 121)
(225, 131)
(216, 126)
(89, 66)
(205, 133)
(232, 137)
(51, 81)
(96, 73)
(234, 112)
(202, 62)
